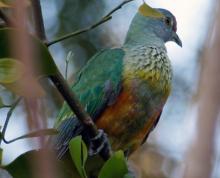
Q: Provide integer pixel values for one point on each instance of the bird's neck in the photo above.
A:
(142, 33)
(148, 39)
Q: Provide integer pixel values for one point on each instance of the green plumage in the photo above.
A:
(97, 83)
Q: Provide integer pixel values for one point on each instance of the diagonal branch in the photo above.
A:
(86, 29)
(65, 90)
(60, 82)
(74, 103)
(58, 79)
(38, 17)
(78, 32)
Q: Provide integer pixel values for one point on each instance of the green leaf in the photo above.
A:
(22, 166)
(45, 62)
(1, 152)
(79, 154)
(2, 105)
(41, 59)
(10, 70)
(11, 3)
(4, 5)
(21, 87)
(115, 167)
(128, 175)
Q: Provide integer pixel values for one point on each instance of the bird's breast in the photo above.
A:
(150, 65)
(146, 85)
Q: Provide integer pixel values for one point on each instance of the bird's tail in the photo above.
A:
(68, 129)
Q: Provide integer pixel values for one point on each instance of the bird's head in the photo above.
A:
(150, 23)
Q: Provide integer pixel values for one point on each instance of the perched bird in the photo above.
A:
(124, 89)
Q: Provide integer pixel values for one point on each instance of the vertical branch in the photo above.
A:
(200, 158)
(23, 49)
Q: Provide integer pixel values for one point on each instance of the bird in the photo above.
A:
(125, 89)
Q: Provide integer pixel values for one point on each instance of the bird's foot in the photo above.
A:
(127, 153)
(99, 144)
(131, 174)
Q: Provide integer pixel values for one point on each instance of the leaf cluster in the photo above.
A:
(115, 166)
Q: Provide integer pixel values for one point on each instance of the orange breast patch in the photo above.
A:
(114, 116)
(121, 122)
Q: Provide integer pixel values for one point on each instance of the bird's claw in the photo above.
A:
(99, 144)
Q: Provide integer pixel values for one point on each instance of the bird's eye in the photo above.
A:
(168, 21)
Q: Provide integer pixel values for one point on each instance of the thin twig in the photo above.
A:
(118, 7)
(38, 133)
(13, 106)
(86, 29)
(5, 106)
(78, 32)
(68, 58)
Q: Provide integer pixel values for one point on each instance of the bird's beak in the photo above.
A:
(176, 39)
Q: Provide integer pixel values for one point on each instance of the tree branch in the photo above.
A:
(60, 82)
(38, 133)
(66, 92)
(86, 29)
(78, 32)
(74, 103)
(58, 79)
(38, 17)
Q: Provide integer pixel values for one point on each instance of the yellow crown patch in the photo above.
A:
(148, 11)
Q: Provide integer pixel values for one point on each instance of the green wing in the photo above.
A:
(97, 87)
(98, 83)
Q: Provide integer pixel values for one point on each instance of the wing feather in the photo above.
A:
(97, 86)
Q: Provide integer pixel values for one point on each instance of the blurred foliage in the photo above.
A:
(78, 14)
(116, 166)
(21, 167)
(4, 5)
(151, 162)
(14, 75)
